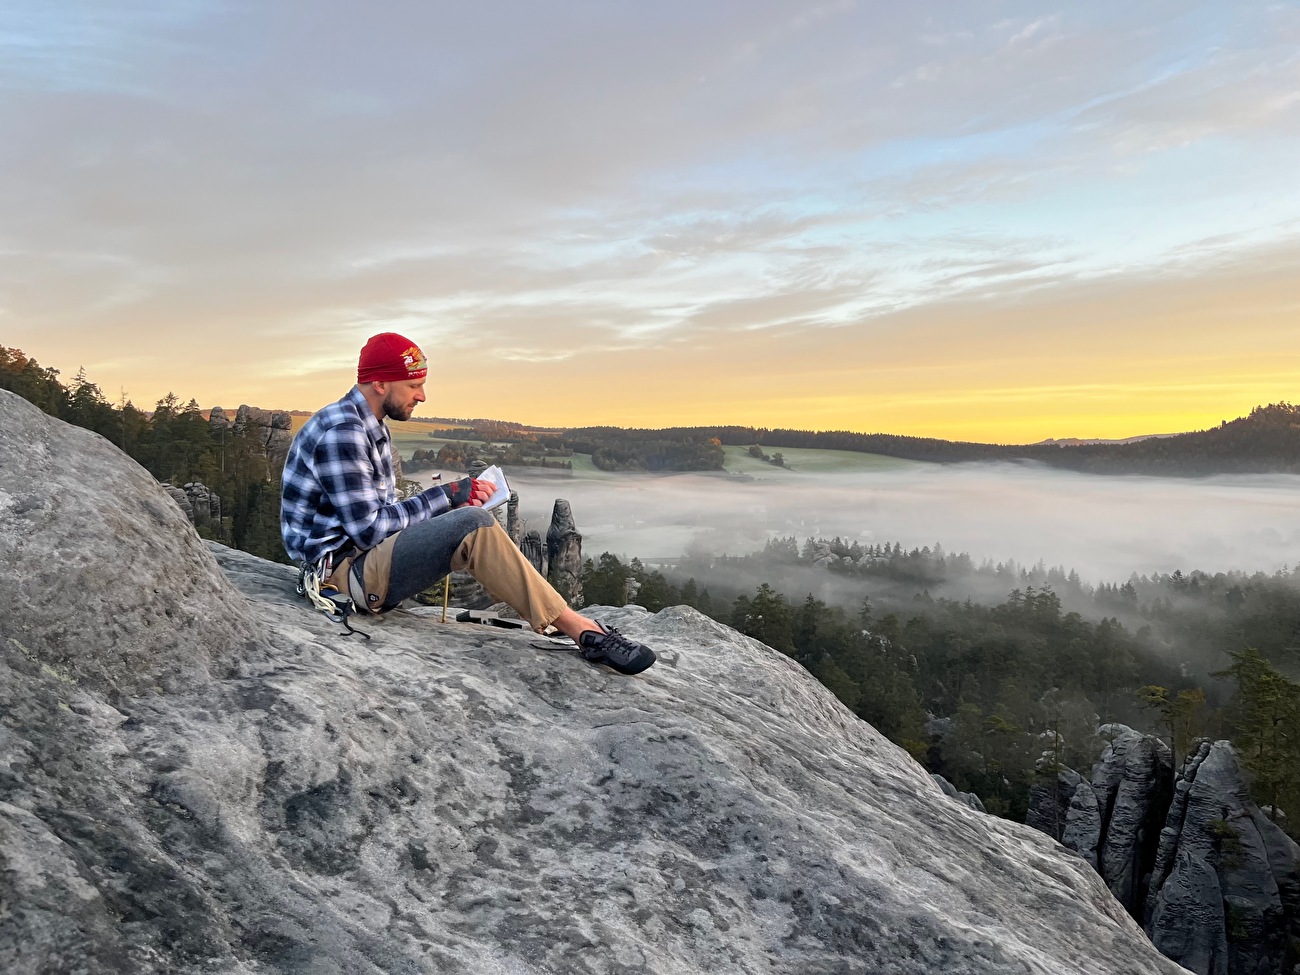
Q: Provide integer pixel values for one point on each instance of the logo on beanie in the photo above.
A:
(413, 358)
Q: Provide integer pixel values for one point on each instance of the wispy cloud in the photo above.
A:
(620, 188)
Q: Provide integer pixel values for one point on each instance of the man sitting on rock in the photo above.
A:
(340, 516)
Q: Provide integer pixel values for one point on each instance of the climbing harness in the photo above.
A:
(338, 606)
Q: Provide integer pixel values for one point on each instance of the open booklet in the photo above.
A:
(497, 477)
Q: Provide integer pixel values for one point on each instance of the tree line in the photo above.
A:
(1266, 440)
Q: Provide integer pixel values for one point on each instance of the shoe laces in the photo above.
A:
(607, 641)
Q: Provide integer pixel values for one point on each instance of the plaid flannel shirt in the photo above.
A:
(339, 487)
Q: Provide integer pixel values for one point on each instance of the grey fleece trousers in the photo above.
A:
(466, 539)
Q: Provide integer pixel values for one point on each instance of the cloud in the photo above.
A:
(613, 188)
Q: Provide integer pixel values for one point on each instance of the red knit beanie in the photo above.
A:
(389, 358)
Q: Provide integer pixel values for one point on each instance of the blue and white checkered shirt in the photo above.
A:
(339, 487)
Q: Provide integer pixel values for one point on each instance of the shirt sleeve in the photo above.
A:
(353, 487)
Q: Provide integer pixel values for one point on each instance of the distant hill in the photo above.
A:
(1265, 441)
(1268, 440)
(1076, 441)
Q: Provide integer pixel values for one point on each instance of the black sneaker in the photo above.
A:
(608, 646)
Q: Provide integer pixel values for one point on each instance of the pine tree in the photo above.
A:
(1267, 716)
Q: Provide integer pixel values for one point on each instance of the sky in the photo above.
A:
(990, 221)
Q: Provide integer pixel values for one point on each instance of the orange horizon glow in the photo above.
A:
(1122, 359)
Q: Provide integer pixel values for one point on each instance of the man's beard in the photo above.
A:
(395, 413)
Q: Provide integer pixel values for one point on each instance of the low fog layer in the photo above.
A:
(1103, 527)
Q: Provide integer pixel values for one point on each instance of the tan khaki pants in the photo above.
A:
(486, 553)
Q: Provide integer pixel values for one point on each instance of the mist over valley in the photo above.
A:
(1103, 527)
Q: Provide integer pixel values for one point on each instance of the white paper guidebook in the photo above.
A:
(497, 478)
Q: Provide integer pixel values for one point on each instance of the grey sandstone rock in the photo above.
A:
(199, 505)
(965, 798)
(200, 775)
(1082, 832)
(1049, 801)
(1224, 887)
(106, 583)
(272, 428)
(1284, 863)
(1213, 825)
(1187, 921)
(182, 499)
(205, 504)
(534, 551)
(514, 524)
(1065, 807)
(564, 553)
(1133, 784)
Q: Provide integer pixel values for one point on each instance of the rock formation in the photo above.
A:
(631, 587)
(182, 500)
(271, 428)
(1223, 891)
(534, 551)
(1114, 820)
(1218, 887)
(564, 553)
(201, 507)
(1068, 810)
(514, 524)
(965, 798)
(1133, 783)
(205, 504)
(109, 590)
(198, 774)
(1188, 923)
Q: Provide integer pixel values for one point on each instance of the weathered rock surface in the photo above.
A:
(514, 524)
(1133, 783)
(1066, 809)
(196, 777)
(1187, 922)
(1224, 876)
(200, 506)
(1222, 894)
(204, 502)
(1082, 832)
(107, 587)
(965, 798)
(564, 553)
(182, 500)
(534, 551)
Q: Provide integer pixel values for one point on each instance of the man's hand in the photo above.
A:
(481, 492)
(469, 491)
